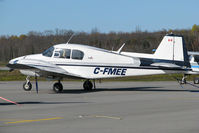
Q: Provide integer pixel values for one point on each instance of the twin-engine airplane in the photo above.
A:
(90, 63)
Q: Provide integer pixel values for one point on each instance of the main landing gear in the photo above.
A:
(27, 86)
(58, 87)
(88, 86)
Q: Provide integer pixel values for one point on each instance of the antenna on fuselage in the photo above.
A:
(120, 49)
(70, 38)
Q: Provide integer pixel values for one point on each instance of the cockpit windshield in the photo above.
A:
(48, 52)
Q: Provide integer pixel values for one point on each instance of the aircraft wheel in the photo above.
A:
(196, 81)
(57, 87)
(27, 86)
(88, 86)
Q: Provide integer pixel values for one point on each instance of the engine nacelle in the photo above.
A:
(29, 73)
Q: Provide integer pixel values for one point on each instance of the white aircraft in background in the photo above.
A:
(91, 63)
(194, 61)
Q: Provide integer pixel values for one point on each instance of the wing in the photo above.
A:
(42, 68)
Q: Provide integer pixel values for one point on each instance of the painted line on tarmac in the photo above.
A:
(36, 120)
(109, 117)
(9, 101)
(100, 116)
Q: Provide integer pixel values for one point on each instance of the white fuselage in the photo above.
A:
(95, 64)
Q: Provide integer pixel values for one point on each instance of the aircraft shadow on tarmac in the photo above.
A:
(154, 89)
(78, 91)
(26, 103)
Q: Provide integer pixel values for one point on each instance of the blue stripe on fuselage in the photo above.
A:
(194, 66)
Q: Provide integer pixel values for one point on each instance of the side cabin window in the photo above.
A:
(48, 52)
(62, 53)
(77, 54)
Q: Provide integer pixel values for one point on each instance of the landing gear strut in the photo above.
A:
(58, 87)
(88, 86)
(27, 86)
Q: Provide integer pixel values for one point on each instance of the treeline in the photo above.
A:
(36, 42)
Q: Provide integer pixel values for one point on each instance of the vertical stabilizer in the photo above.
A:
(172, 47)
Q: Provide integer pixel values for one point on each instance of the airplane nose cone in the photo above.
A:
(11, 63)
(14, 61)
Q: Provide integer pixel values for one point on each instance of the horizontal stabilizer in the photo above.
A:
(166, 65)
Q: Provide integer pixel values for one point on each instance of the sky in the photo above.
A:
(22, 16)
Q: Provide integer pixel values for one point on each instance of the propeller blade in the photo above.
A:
(37, 90)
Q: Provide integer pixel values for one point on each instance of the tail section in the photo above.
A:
(172, 47)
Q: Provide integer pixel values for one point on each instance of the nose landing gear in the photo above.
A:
(27, 86)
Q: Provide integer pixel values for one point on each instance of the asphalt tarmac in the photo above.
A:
(115, 107)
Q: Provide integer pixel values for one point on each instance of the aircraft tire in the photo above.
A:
(57, 87)
(88, 86)
(196, 81)
(27, 86)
